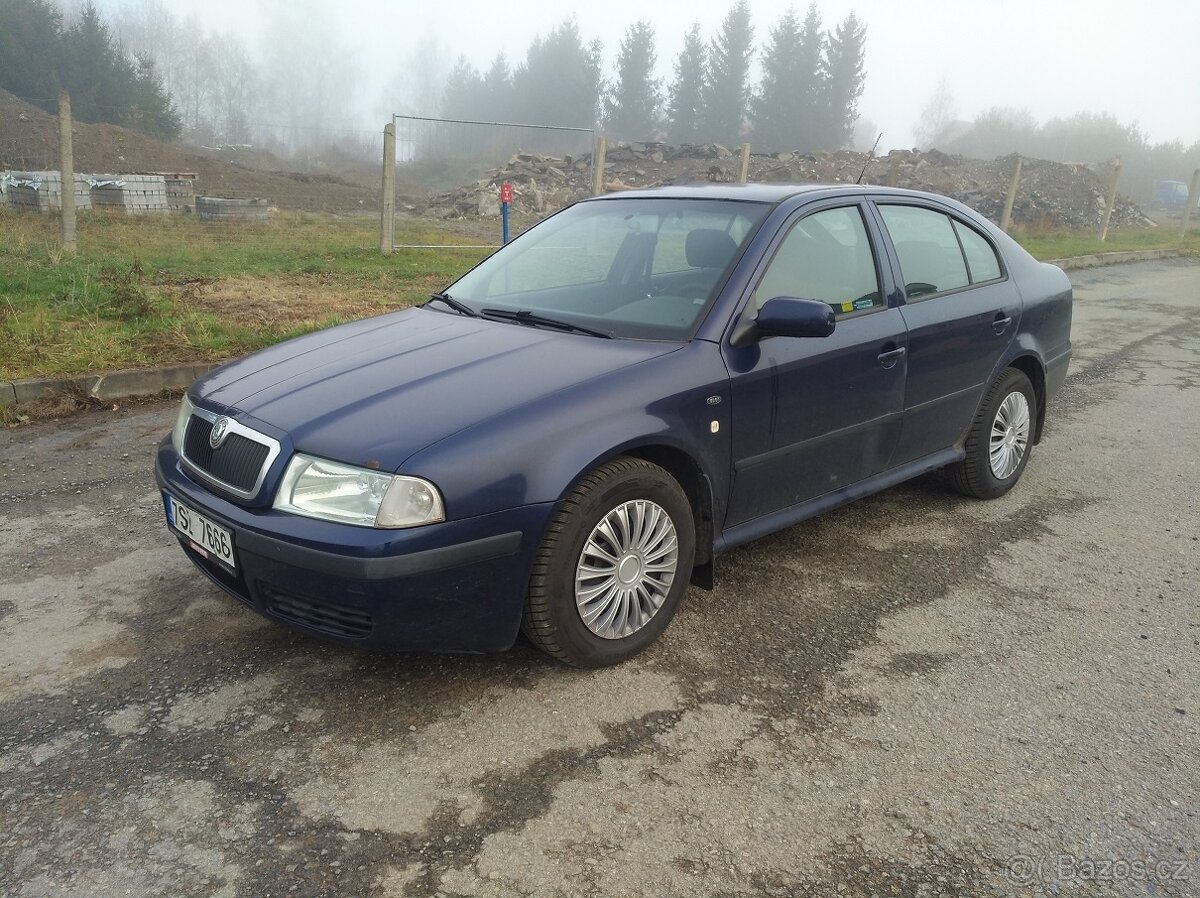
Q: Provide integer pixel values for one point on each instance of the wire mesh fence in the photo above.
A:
(438, 155)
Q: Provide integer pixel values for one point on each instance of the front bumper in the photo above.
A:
(457, 586)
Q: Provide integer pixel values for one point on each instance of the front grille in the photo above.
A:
(237, 461)
(323, 615)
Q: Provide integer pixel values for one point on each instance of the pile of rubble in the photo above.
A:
(1050, 195)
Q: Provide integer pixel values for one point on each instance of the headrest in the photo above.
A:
(709, 248)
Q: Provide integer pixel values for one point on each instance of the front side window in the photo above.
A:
(826, 256)
(931, 260)
(639, 268)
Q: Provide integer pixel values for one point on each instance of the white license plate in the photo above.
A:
(206, 537)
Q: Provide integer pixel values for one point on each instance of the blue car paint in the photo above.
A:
(504, 419)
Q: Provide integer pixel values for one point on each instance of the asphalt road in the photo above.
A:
(917, 695)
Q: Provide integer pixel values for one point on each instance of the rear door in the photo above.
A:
(961, 310)
(815, 414)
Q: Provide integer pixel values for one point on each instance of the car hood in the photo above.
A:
(378, 390)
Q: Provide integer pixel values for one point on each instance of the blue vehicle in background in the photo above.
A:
(576, 429)
(1170, 195)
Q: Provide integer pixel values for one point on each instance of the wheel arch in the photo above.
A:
(696, 484)
(689, 475)
(1031, 366)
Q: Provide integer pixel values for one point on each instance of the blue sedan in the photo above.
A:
(575, 430)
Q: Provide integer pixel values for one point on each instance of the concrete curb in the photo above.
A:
(148, 381)
(104, 387)
(1095, 260)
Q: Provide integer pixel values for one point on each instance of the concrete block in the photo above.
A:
(8, 393)
(1095, 260)
(145, 381)
(42, 191)
(219, 208)
(35, 389)
(131, 194)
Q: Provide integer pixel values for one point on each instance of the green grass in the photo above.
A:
(151, 291)
(1066, 244)
(144, 292)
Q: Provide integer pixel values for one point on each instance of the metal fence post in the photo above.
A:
(1011, 197)
(1193, 196)
(67, 166)
(1111, 199)
(598, 165)
(387, 219)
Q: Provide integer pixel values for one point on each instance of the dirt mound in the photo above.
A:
(29, 142)
(1051, 194)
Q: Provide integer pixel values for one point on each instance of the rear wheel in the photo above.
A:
(999, 440)
(612, 566)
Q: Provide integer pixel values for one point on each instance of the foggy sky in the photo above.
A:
(1137, 60)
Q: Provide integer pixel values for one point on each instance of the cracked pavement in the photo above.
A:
(915, 695)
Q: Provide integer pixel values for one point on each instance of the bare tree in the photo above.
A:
(937, 115)
(310, 74)
(420, 79)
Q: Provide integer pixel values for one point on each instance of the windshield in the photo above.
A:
(639, 268)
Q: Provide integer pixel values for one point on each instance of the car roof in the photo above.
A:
(760, 193)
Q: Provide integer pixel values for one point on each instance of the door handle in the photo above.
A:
(1001, 322)
(888, 358)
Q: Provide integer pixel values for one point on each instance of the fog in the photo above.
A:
(1139, 61)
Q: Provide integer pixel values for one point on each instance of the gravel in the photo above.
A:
(916, 695)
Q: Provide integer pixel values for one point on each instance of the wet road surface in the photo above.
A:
(916, 695)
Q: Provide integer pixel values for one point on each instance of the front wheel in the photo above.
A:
(615, 560)
(999, 440)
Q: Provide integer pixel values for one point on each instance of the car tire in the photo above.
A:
(605, 556)
(1000, 439)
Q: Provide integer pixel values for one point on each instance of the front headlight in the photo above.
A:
(181, 423)
(332, 491)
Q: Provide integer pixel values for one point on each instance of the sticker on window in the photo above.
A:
(855, 305)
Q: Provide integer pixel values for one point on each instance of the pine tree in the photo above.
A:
(726, 88)
(633, 109)
(105, 83)
(777, 110)
(844, 76)
(90, 62)
(687, 90)
(464, 87)
(150, 108)
(30, 47)
(497, 88)
(559, 82)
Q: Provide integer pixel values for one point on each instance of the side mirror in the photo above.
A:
(786, 316)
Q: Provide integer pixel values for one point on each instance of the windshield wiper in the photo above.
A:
(446, 299)
(525, 316)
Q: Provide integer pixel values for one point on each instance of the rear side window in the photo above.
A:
(981, 258)
(931, 260)
(826, 256)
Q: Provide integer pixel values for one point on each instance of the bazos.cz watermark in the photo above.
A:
(1025, 869)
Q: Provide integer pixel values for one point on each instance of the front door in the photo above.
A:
(812, 415)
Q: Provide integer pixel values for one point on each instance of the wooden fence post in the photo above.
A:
(598, 165)
(66, 151)
(743, 169)
(387, 217)
(1011, 197)
(1111, 199)
(894, 172)
(1193, 196)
